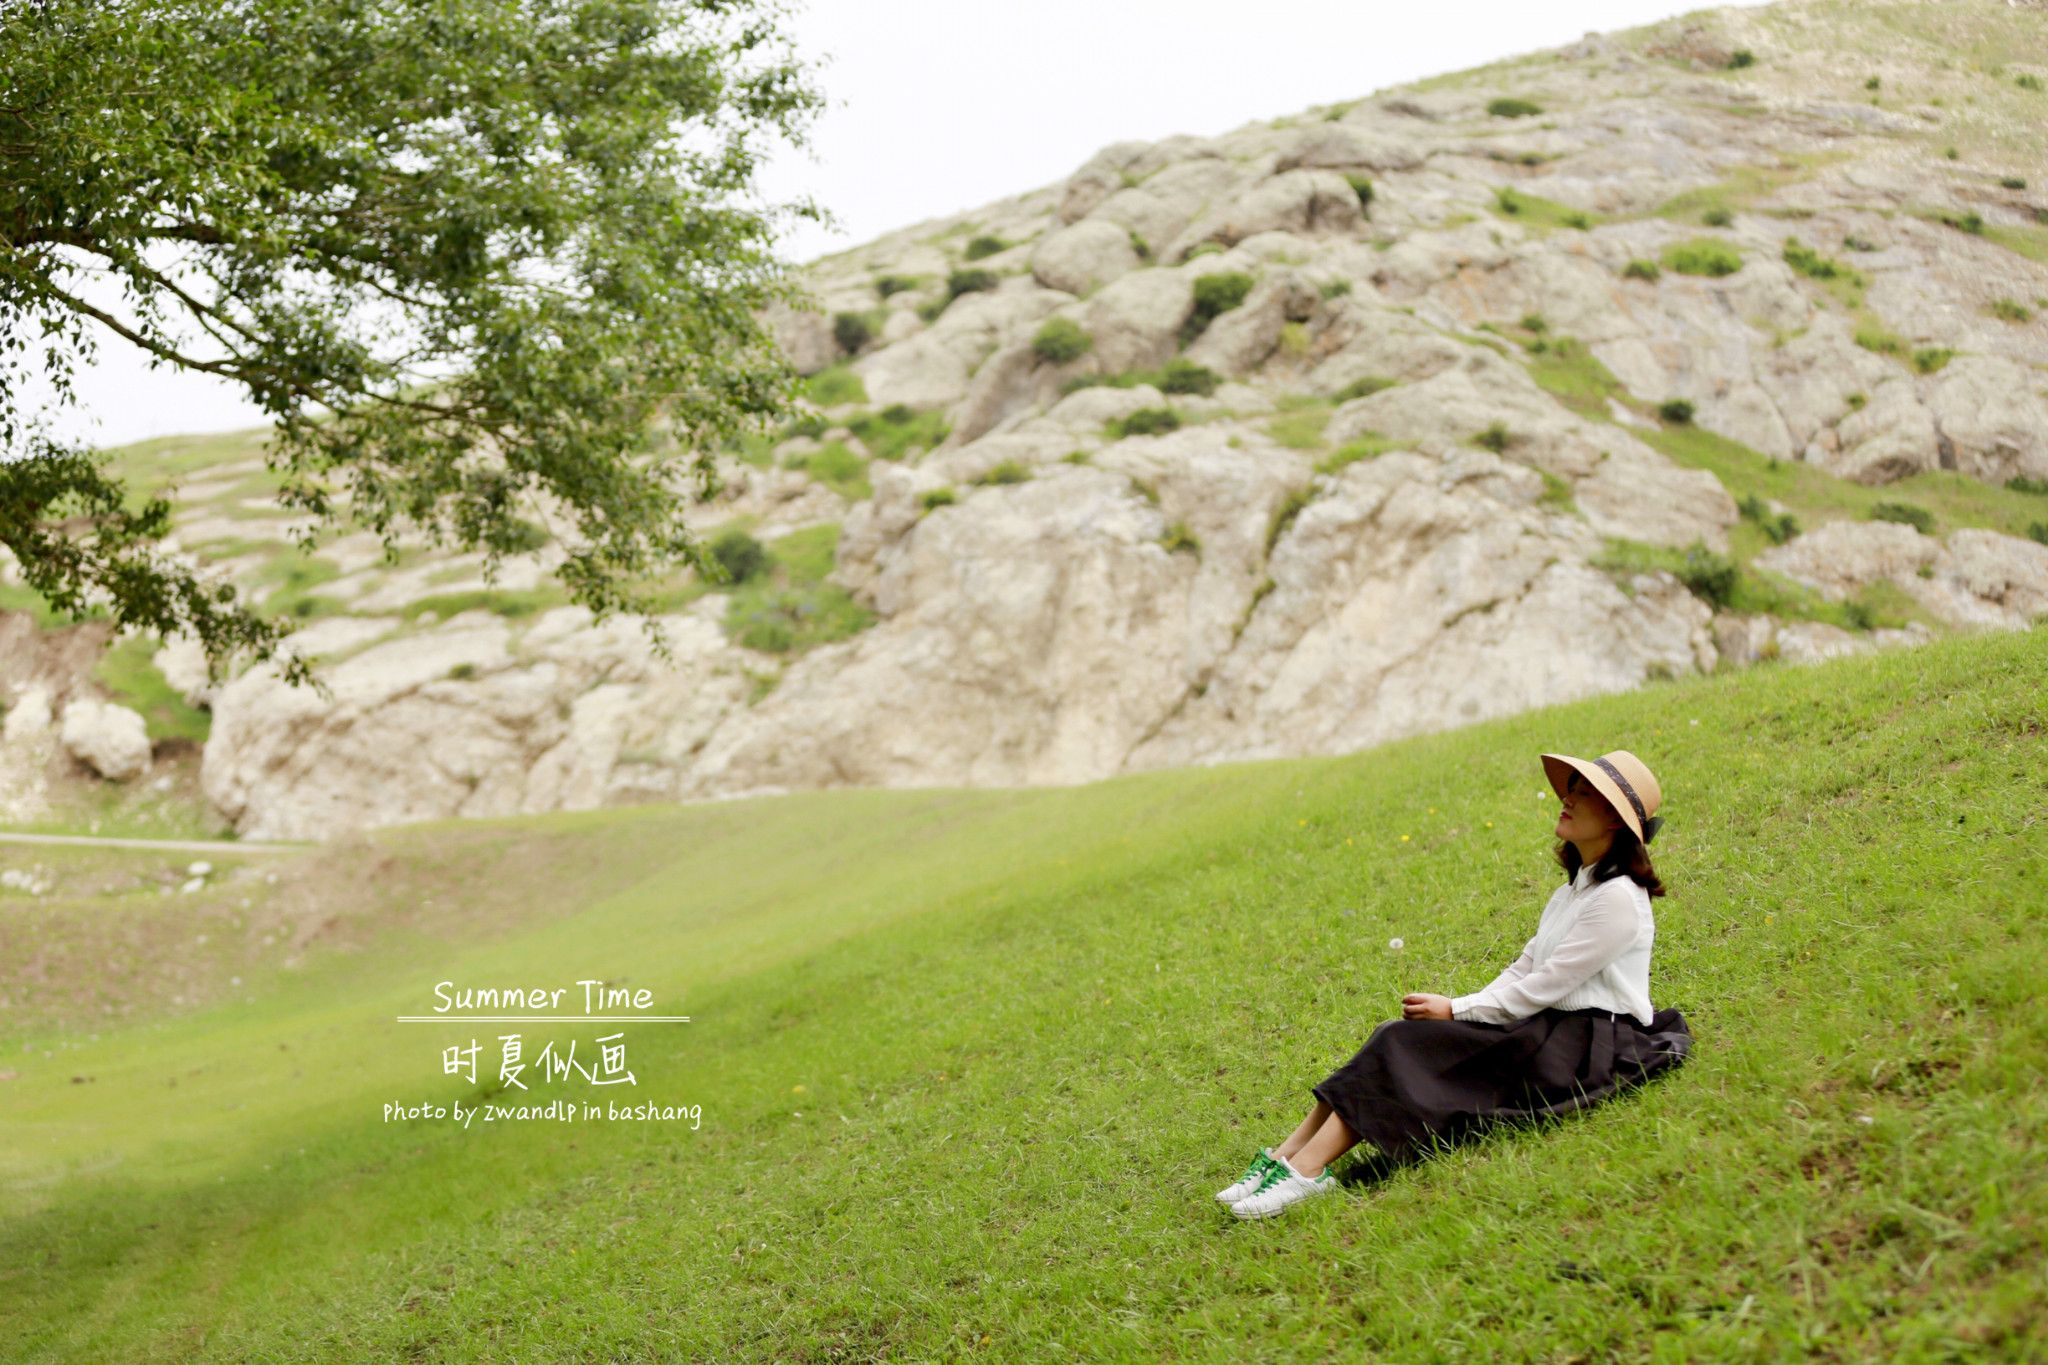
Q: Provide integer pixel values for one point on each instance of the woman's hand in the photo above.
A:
(1425, 1007)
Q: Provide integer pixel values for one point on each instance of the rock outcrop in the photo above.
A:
(1393, 415)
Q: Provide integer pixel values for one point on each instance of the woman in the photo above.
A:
(1567, 1025)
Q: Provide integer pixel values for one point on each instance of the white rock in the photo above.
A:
(110, 739)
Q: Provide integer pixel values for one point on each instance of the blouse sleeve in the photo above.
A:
(1605, 928)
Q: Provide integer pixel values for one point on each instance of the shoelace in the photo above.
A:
(1275, 1173)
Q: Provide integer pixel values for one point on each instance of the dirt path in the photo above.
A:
(177, 845)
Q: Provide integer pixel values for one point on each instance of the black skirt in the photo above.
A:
(1421, 1084)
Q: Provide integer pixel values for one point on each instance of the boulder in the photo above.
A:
(108, 738)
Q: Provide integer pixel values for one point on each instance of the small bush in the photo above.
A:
(969, 281)
(1858, 615)
(936, 497)
(1709, 576)
(1577, 220)
(1332, 289)
(1740, 58)
(1872, 337)
(1508, 200)
(1702, 256)
(1677, 411)
(898, 414)
(1910, 514)
(740, 555)
(851, 332)
(1928, 359)
(1813, 265)
(1951, 153)
(1363, 387)
(2037, 532)
(1005, 471)
(2012, 182)
(1872, 83)
(2020, 483)
(1182, 375)
(1362, 187)
(463, 670)
(1642, 270)
(1495, 438)
(1717, 217)
(1512, 108)
(2027, 81)
(1855, 243)
(1147, 422)
(1964, 222)
(1077, 457)
(985, 246)
(1061, 340)
(1178, 537)
(1855, 401)
(2010, 310)
(1204, 249)
(887, 285)
(1534, 322)
(1215, 294)
(1778, 529)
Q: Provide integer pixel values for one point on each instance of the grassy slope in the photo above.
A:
(1033, 1030)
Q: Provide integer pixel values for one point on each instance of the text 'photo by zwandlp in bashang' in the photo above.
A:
(1568, 1024)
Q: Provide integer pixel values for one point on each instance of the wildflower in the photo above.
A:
(1769, 918)
(1404, 838)
(796, 1090)
(1432, 810)
(1489, 824)
(1393, 943)
(1865, 1118)
(1303, 822)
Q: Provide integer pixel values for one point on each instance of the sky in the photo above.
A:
(935, 108)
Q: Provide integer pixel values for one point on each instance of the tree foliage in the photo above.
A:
(469, 255)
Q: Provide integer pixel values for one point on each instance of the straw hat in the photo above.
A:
(1621, 777)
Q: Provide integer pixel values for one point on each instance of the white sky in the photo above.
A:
(935, 108)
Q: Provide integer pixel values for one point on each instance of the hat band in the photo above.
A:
(1626, 789)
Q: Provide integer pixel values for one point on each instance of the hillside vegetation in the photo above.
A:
(971, 1063)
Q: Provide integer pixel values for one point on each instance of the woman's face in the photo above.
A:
(1585, 814)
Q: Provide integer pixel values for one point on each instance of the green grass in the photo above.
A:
(790, 608)
(1744, 188)
(1299, 423)
(2028, 240)
(835, 386)
(835, 465)
(1571, 373)
(1367, 446)
(1535, 211)
(1702, 256)
(970, 1060)
(511, 603)
(126, 671)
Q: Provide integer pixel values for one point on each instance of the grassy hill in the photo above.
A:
(970, 1064)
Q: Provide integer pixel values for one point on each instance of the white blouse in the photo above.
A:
(1591, 949)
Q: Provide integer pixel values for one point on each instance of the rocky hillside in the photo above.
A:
(1717, 342)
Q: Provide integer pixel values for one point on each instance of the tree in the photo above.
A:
(468, 254)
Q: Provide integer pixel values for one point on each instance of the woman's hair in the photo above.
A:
(1626, 856)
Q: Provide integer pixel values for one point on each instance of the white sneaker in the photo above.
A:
(1254, 1176)
(1291, 1188)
